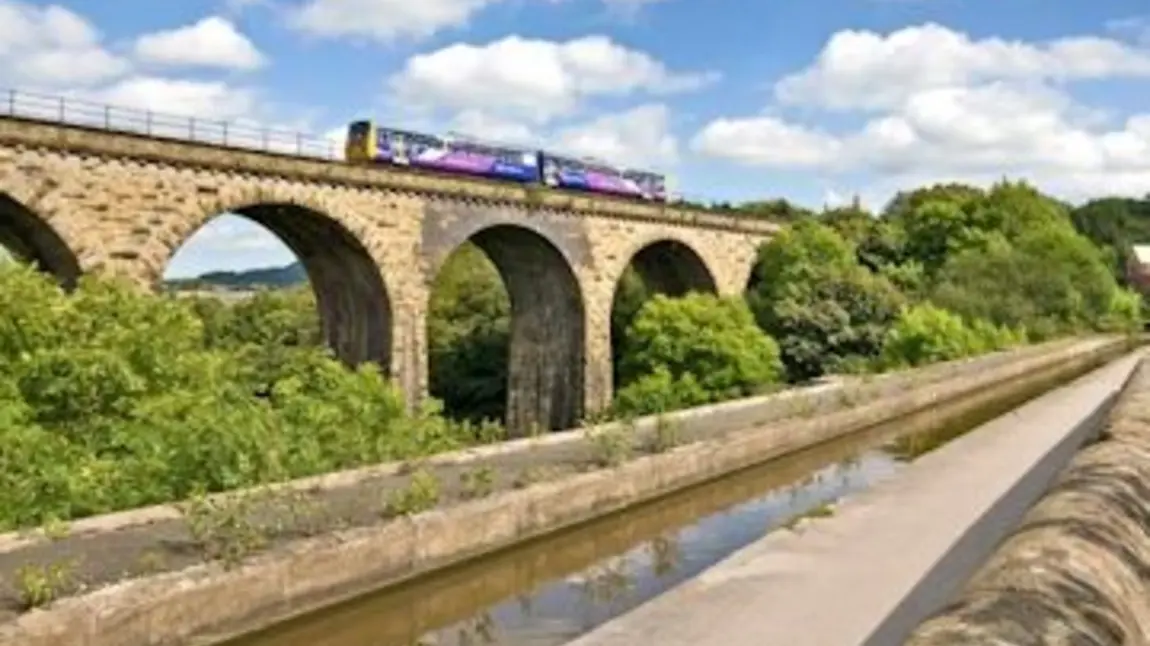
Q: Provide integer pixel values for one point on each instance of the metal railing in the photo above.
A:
(230, 134)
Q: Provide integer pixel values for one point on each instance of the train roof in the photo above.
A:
(462, 137)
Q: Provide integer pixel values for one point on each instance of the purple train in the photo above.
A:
(368, 144)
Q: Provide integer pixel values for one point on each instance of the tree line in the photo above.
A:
(941, 272)
(111, 399)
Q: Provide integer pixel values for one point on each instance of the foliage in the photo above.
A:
(927, 333)
(469, 336)
(39, 585)
(630, 295)
(1050, 281)
(824, 307)
(275, 277)
(1116, 225)
(422, 493)
(696, 349)
(111, 399)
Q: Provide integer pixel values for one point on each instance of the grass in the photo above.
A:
(38, 585)
(422, 493)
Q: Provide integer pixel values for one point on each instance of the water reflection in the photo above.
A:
(554, 589)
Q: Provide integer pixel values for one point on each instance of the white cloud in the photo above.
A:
(53, 50)
(52, 47)
(338, 138)
(241, 6)
(639, 137)
(767, 141)
(964, 110)
(228, 242)
(477, 123)
(204, 99)
(532, 79)
(383, 20)
(629, 7)
(211, 42)
(866, 70)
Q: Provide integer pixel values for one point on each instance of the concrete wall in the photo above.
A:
(372, 240)
(1077, 569)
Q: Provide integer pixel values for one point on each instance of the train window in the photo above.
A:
(508, 155)
(416, 140)
(358, 130)
(572, 165)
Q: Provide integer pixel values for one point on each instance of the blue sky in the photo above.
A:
(813, 101)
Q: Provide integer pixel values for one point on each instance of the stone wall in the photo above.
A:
(1077, 570)
(372, 240)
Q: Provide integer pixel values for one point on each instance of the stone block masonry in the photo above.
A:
(372, 240)
(1077, 570)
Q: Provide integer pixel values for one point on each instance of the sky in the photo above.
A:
(813, 101)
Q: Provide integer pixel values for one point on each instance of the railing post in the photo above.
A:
(12, 102)
(63, 109)
(264, 137)
(107, 117)
(148, 122)
(192, 128)
(299, 143)
(225, 133)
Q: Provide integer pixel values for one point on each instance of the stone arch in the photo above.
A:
(661, 266)
(352, 296)
(672, 267)
(546, 371)
(32, 239)
(753, 278)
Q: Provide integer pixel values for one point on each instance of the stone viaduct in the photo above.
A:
(76, 199)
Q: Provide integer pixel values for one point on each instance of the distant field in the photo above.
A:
(226, 295)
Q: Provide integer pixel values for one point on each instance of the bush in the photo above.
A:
(111, 399)
(693, 350)
(824, 308)
(1050, 281)
(927, 334)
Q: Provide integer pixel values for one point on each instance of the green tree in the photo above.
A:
(110, 399)
(629, 298)
(926, 334)
(469, 328)
(1050, 281)
(1115, 224)
(824, 308)
(691, 350)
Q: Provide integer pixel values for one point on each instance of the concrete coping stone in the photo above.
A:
(1077, 568)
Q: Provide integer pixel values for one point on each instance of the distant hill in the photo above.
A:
(273, 277)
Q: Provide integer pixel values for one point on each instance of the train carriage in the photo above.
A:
(454, 153)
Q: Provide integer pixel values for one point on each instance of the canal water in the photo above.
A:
(551, 590)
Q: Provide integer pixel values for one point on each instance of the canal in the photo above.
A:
(551, 590)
